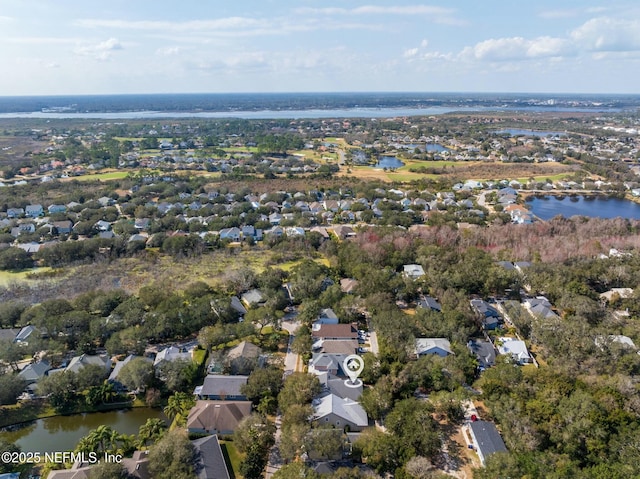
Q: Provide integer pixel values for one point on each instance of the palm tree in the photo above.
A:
(107, 392)
(103, 439)
(152, 430)
(178, 406)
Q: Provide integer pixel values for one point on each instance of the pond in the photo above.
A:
(595, 207)
(388, 162)
(518, 131)
(435, 147)
(62, 433)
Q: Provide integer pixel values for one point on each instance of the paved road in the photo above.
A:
(292, 363)
(291, 360)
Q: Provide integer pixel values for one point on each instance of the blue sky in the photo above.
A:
(142, 46)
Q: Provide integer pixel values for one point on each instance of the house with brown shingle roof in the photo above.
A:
(217, 417)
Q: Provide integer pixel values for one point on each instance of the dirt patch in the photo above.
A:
(456, 459)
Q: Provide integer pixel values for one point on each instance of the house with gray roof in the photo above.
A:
(170, 354)
(34, 211)
(327, 316)
(243, 358)
(252, 297)
(486, 439)
(332, 410)
(335, 385)
(438, 346)
(484, 352)
(77, 363)
(221, 387)
(34, 372)
(427, 302)
(24, 334)
(413, 271)
(211, 463)
(515, 348)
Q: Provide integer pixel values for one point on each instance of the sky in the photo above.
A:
(67, 47)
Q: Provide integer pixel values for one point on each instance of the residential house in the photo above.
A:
(8, 334)
(413, 271)
(340, 413)
(34, 211)
(336, 347)
(336, 385)
(232, 234)
(624, 342)
(623, 293)
(77, 363)
(217, 417)
(79, 470)
(488, 314)
(293, 231)
(52, 209)
(484, 352)
(15, 212)
(221, 387)
(114, 377)
(327, 316)
(237, 306)
(137, 466)
(344, 231)
(515, 348)
(211, 463)
(142, 224)
(251, 232)
(32, 373)
(348, 285)
(335, 331)
(327, 363)
(427, 302)
(439, 346)
(102, 225)
(243, 358)
(486, 439)
(170, 354)
(24, 334)
(252, 298)
(63, 227)
(539, 307)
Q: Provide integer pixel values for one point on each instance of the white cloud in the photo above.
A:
(555, 14)
(168, 51)
(230, 23)
(101, 51)
(437, 14)
(377, 10)
(518, 48)
(605, 34)
(410, 53)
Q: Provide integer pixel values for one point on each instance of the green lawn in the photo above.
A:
(232, 457)
(112, 175)
(8, 277)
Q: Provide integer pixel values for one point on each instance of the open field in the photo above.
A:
(8, 277)
(108, 176)
(462, 171)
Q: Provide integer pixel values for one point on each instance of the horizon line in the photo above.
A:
(339, 92)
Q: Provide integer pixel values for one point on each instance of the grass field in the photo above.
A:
(9, 277)
(464, 170)
(108, 176)
(232, 457)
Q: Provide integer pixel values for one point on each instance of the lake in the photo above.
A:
(388, 162)
(540, 134)
(595, 207)
(62, 433)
